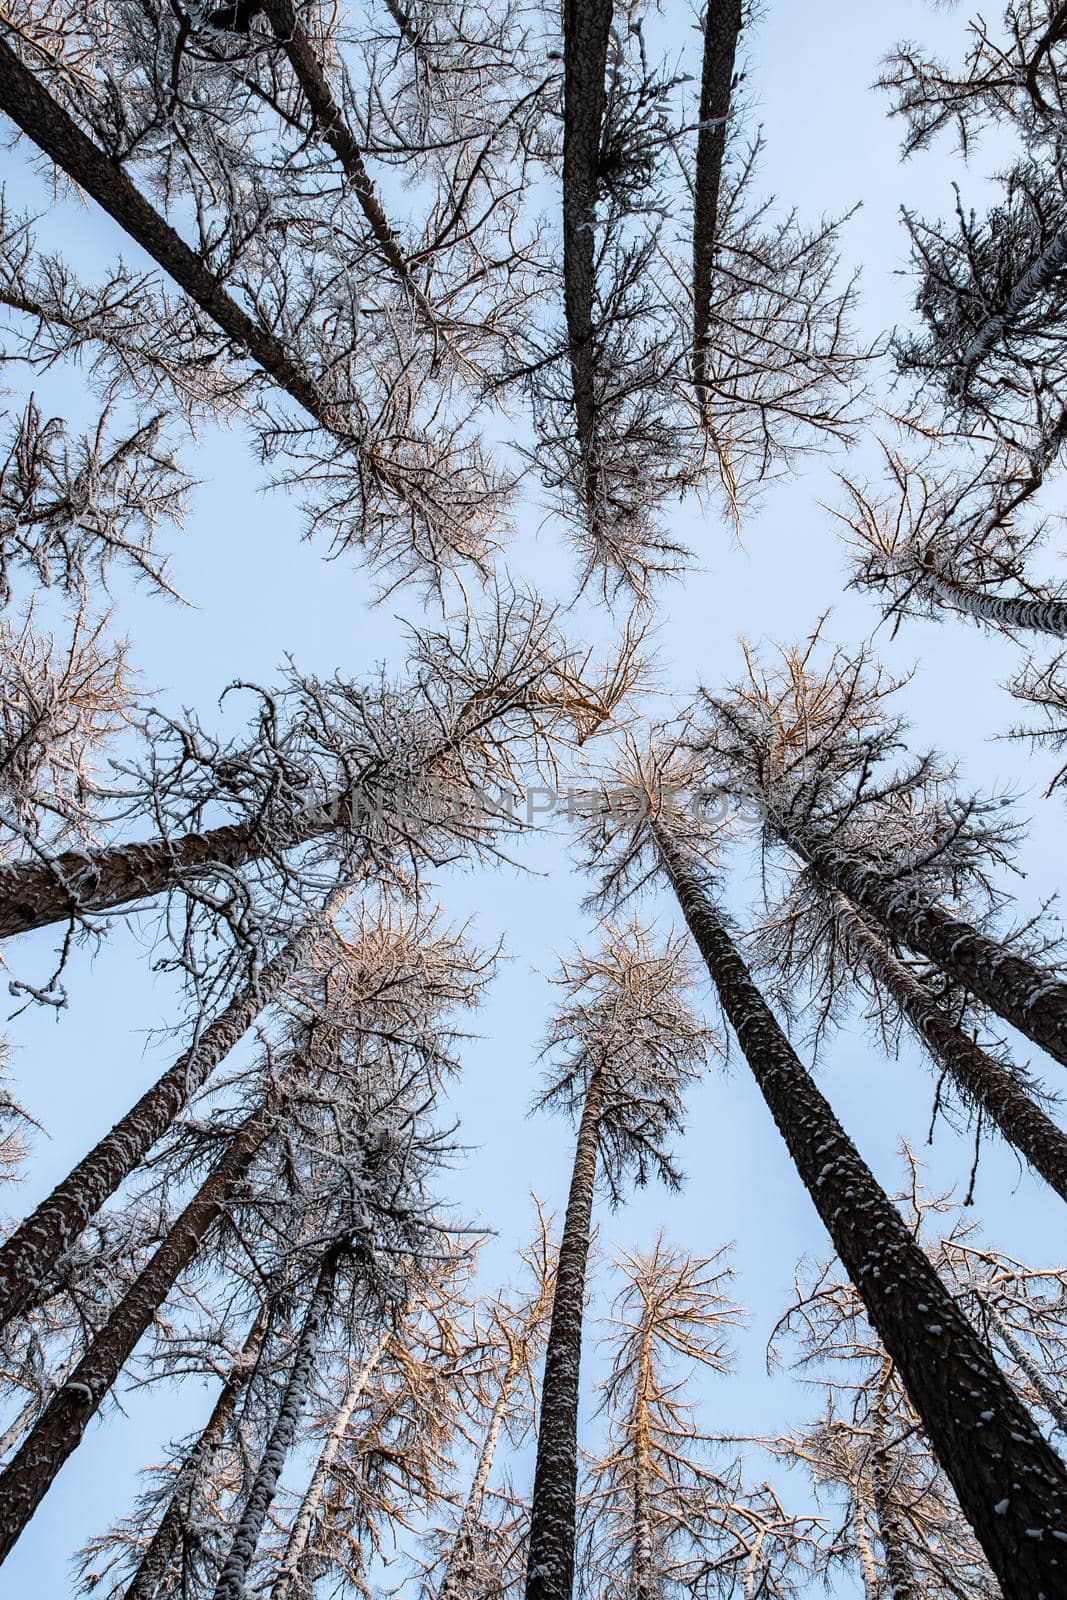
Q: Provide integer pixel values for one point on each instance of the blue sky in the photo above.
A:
(258, 592)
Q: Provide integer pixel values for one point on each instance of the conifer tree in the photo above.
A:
(622, 1048)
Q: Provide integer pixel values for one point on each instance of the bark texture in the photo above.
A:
(31, 1251)
(1027, 995)
(36, 893)
(1010, 1483)
(722, 29)
(287, 1582)
(147, 1581)
(983, 1081)
(1006, 611)
(550, 1565)
(24, 1484)
(231, 1584)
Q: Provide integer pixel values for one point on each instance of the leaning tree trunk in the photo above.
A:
(459, 1571)
(1002, 611)
(983, 1081)
(586, 31)
(24, 1484)
(31, 1251)
(1044, 270)
(231, 1584)
(286, 1583)
(78, 882)
(147, 1581)
(329, 121)
(550, 1562)
(1025, 994)
(1010, 1483)
(54, 131)
(722, 28)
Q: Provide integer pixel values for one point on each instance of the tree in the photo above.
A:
(287, 1163)
(990, 351)
(471, 1557)
(903, 1529)
(622, 1048)
(819, 940)
(814, 753)
(346, 779)
(657, 1501)
(949, 1373)
(392, 1463)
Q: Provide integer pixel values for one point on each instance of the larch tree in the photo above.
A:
(282, 1163)
(622, 1048)
(474, 1556)
(657, 1499)
(821, 948)
(337, 775)
(957, 527)
(817, 756)
(949, 1373)
(903, 1532)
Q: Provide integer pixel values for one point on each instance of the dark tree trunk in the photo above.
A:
(550, 1563)
(330, 122)
(54, 131)
(983, 1081)
(586, 30)
(36, 893)
(24, 1484)
(231, 1584)
(31, 1251)
(722, 28)
(147, 1581)
(1010, 1483)
(1018, 989)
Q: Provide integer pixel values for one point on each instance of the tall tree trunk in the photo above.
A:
(285, 1584)
(147, 1581)
(642, 1565)
(1046, 267)
(1033, 616)
(722, 28)
(54, 131)
(982, 1080)
(752, 1584)
(31, 1251)
(231, 1584)
(24, 1484)
(35, 893)
(1010, 1483)
(898, 1567)
(586, 30)
(1025, 994)
(1050, 1397)
(550, 1562)
(330, 122)
(455, 1585)
(863, 1516)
